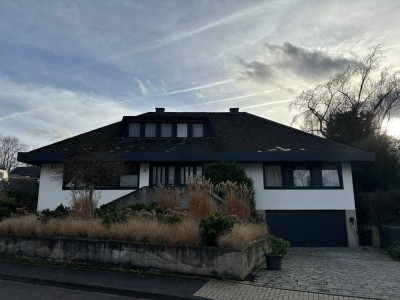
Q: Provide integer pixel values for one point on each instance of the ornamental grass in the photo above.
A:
(135, 229)
(201, 204)
(237, 199)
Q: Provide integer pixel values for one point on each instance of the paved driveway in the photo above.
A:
(342, 271)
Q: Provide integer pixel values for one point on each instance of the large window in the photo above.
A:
(174, 174)
(273, 176)
(330, 176)
(126, 177)
(130, 176)
(303, 176)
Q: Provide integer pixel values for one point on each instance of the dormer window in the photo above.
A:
(198, 130)
(166, 130)
(134, 130)
(150, 130)
(182, 130)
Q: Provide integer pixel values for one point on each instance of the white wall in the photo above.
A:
(340, 199)
(51, 193)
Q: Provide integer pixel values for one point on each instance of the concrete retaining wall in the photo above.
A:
(209, 261)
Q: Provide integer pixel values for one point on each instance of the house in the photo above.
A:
(3, 177)
(24, 179)
(303, 183)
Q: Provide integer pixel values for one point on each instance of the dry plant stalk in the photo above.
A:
(237, 199)
(242, 235)
(135, 230)
(201, 205)
(168, 197)
(82, 205)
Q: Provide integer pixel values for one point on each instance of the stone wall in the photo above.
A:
(208, 261)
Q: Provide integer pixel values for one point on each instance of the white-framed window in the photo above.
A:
(330, 176)
(198, 130)
(273, 176)
(166, 130)
(150, 130)
(134, 130)
(182, 130)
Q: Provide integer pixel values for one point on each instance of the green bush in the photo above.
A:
(60, 212)
(24, 199)
(277, 246)
(394, 250)
(213, 227)
(111, 214)
(378, 208)
(7, 207)
(223, 171)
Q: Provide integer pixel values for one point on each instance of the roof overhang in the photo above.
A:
(57, 157)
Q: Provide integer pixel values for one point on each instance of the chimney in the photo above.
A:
(160, 110)
(234, 110)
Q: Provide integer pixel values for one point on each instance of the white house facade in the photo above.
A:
(303, 183)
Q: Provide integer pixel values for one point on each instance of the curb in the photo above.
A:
(95, 288)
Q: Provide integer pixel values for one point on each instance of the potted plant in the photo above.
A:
(277, 248)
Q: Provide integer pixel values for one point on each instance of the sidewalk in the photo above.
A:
(109, 282)
(152, 286)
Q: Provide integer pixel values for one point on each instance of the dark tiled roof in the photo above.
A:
(231, 132)
(26, 172)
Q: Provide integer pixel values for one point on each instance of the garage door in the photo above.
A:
(309, 228)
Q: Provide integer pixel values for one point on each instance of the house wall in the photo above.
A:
(296, 199)
(51, 193)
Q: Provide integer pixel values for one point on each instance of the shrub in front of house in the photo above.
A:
(394, 250)
(378, 208)
(61, 212)
(230, 171)
(213, 227)
(7, 207)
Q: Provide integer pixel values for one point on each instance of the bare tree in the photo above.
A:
(365, 87)
(88, 170)
(9, 148)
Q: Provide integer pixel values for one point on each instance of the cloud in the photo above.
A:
(290, 60)
(142, 88)
(236, 98)
(46, 114)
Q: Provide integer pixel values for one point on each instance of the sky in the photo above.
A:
(67, 67)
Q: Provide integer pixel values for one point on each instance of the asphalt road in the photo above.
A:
(12, 290)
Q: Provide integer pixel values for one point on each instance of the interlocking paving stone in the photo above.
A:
(227, 290)
(352, 272)
(318, 273)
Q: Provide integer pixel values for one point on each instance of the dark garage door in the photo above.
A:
(309, 228)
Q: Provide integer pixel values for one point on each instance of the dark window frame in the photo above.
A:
(113, 188)
(316, 176)
(174, 135)
(177, 171)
